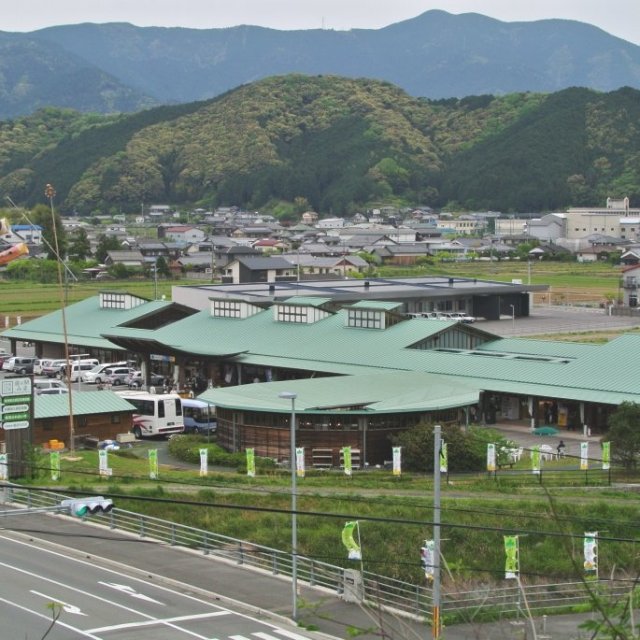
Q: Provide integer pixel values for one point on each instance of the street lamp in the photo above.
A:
(290, 395)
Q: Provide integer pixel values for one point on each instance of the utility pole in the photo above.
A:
(437, 445)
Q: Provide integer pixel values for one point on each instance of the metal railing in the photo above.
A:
(377, 591)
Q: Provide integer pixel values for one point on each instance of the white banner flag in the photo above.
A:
(103, 463)
(4, 467)
(397, 461)
(204, 461)
(584, 456)
(300, 462)
(491, 457)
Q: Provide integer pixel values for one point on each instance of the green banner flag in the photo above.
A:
(204, 461)
(606, 455)
(444, 457)
(397, 460)
(153, 464)
(353, 548)
(346, 457)
(512, 558)
(251, 463)
(54, 464)
(535, 459)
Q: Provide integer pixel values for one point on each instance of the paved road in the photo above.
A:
(99, 601)
(549, 320)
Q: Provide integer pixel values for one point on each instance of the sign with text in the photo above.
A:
(16, 417)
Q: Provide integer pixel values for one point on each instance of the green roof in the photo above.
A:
(376, 304)
(85, 403)
(309, 301)
(86, 322)
(381, 392)
(600, 373)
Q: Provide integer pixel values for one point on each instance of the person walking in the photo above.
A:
(560, 449)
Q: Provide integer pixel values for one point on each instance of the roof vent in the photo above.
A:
(366, 284)
(272, 288)
(451, 282)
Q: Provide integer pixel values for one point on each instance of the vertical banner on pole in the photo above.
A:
(103, 463)
(204, 461)
(584, 456)
(251, 463)
(535, 460)
(397, 461)
(153, 464)
(4, 466)
(491, 457)
(300, 462)
(444, 457)
(346, 458)
(427, 559)
(606, 455)
(512, 557)
(54, 465)
(353, 548)
(591, 553)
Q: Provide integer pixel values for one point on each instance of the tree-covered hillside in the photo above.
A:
(336, 143)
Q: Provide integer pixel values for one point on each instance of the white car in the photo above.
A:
(48, 385)
(99, 373)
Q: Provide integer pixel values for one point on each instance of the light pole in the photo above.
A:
(290, 395)
(513, 318)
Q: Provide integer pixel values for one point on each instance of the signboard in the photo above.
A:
(16, 416)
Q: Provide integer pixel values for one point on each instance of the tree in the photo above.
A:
(624, 434)
(106, 244)
(467, 450)
(163, 267)
(80, 247)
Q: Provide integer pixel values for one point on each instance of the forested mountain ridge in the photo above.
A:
(120, 67)
(336, 145)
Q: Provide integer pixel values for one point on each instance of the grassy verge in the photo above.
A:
(395, 516)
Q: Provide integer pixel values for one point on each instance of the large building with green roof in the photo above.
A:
(361, 372)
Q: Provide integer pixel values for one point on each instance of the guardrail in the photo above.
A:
(376, 590)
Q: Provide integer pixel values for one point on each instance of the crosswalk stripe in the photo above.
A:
(282, 632)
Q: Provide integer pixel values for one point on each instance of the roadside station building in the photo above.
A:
(362, 370)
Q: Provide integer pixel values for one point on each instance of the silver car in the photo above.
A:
(117, 375)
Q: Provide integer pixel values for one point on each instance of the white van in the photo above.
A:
(47, 384)
(76, 369)
(156, 414)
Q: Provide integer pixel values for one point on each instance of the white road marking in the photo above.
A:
(147, 623)
(290, 634)
(286, 634)
(130, 591)
(69, 608)
(59, 623)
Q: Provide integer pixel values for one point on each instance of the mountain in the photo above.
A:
(35, 74)
(435, 55)
(336, 145)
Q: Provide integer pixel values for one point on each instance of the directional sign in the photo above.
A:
(129, 591)
(15, 403)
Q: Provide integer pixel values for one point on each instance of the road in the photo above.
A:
(98, 601)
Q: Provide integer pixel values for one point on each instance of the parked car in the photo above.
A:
(75, 370)
(117, 375)
(41, 385)
(135, 380)
(19, 364)
(53, 392)
(4, 357)
(463, 317)
(52, 368)
(40, 364)
(98, 374)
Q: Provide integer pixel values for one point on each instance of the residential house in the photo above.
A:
(259, 269)
(332, 266)
(184, 234)
(127, 258)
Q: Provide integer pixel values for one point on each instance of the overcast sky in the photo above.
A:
(619, 17)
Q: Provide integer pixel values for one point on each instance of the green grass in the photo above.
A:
(231, 504)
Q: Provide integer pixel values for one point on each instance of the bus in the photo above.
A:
(199, 416)
(156, 414)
